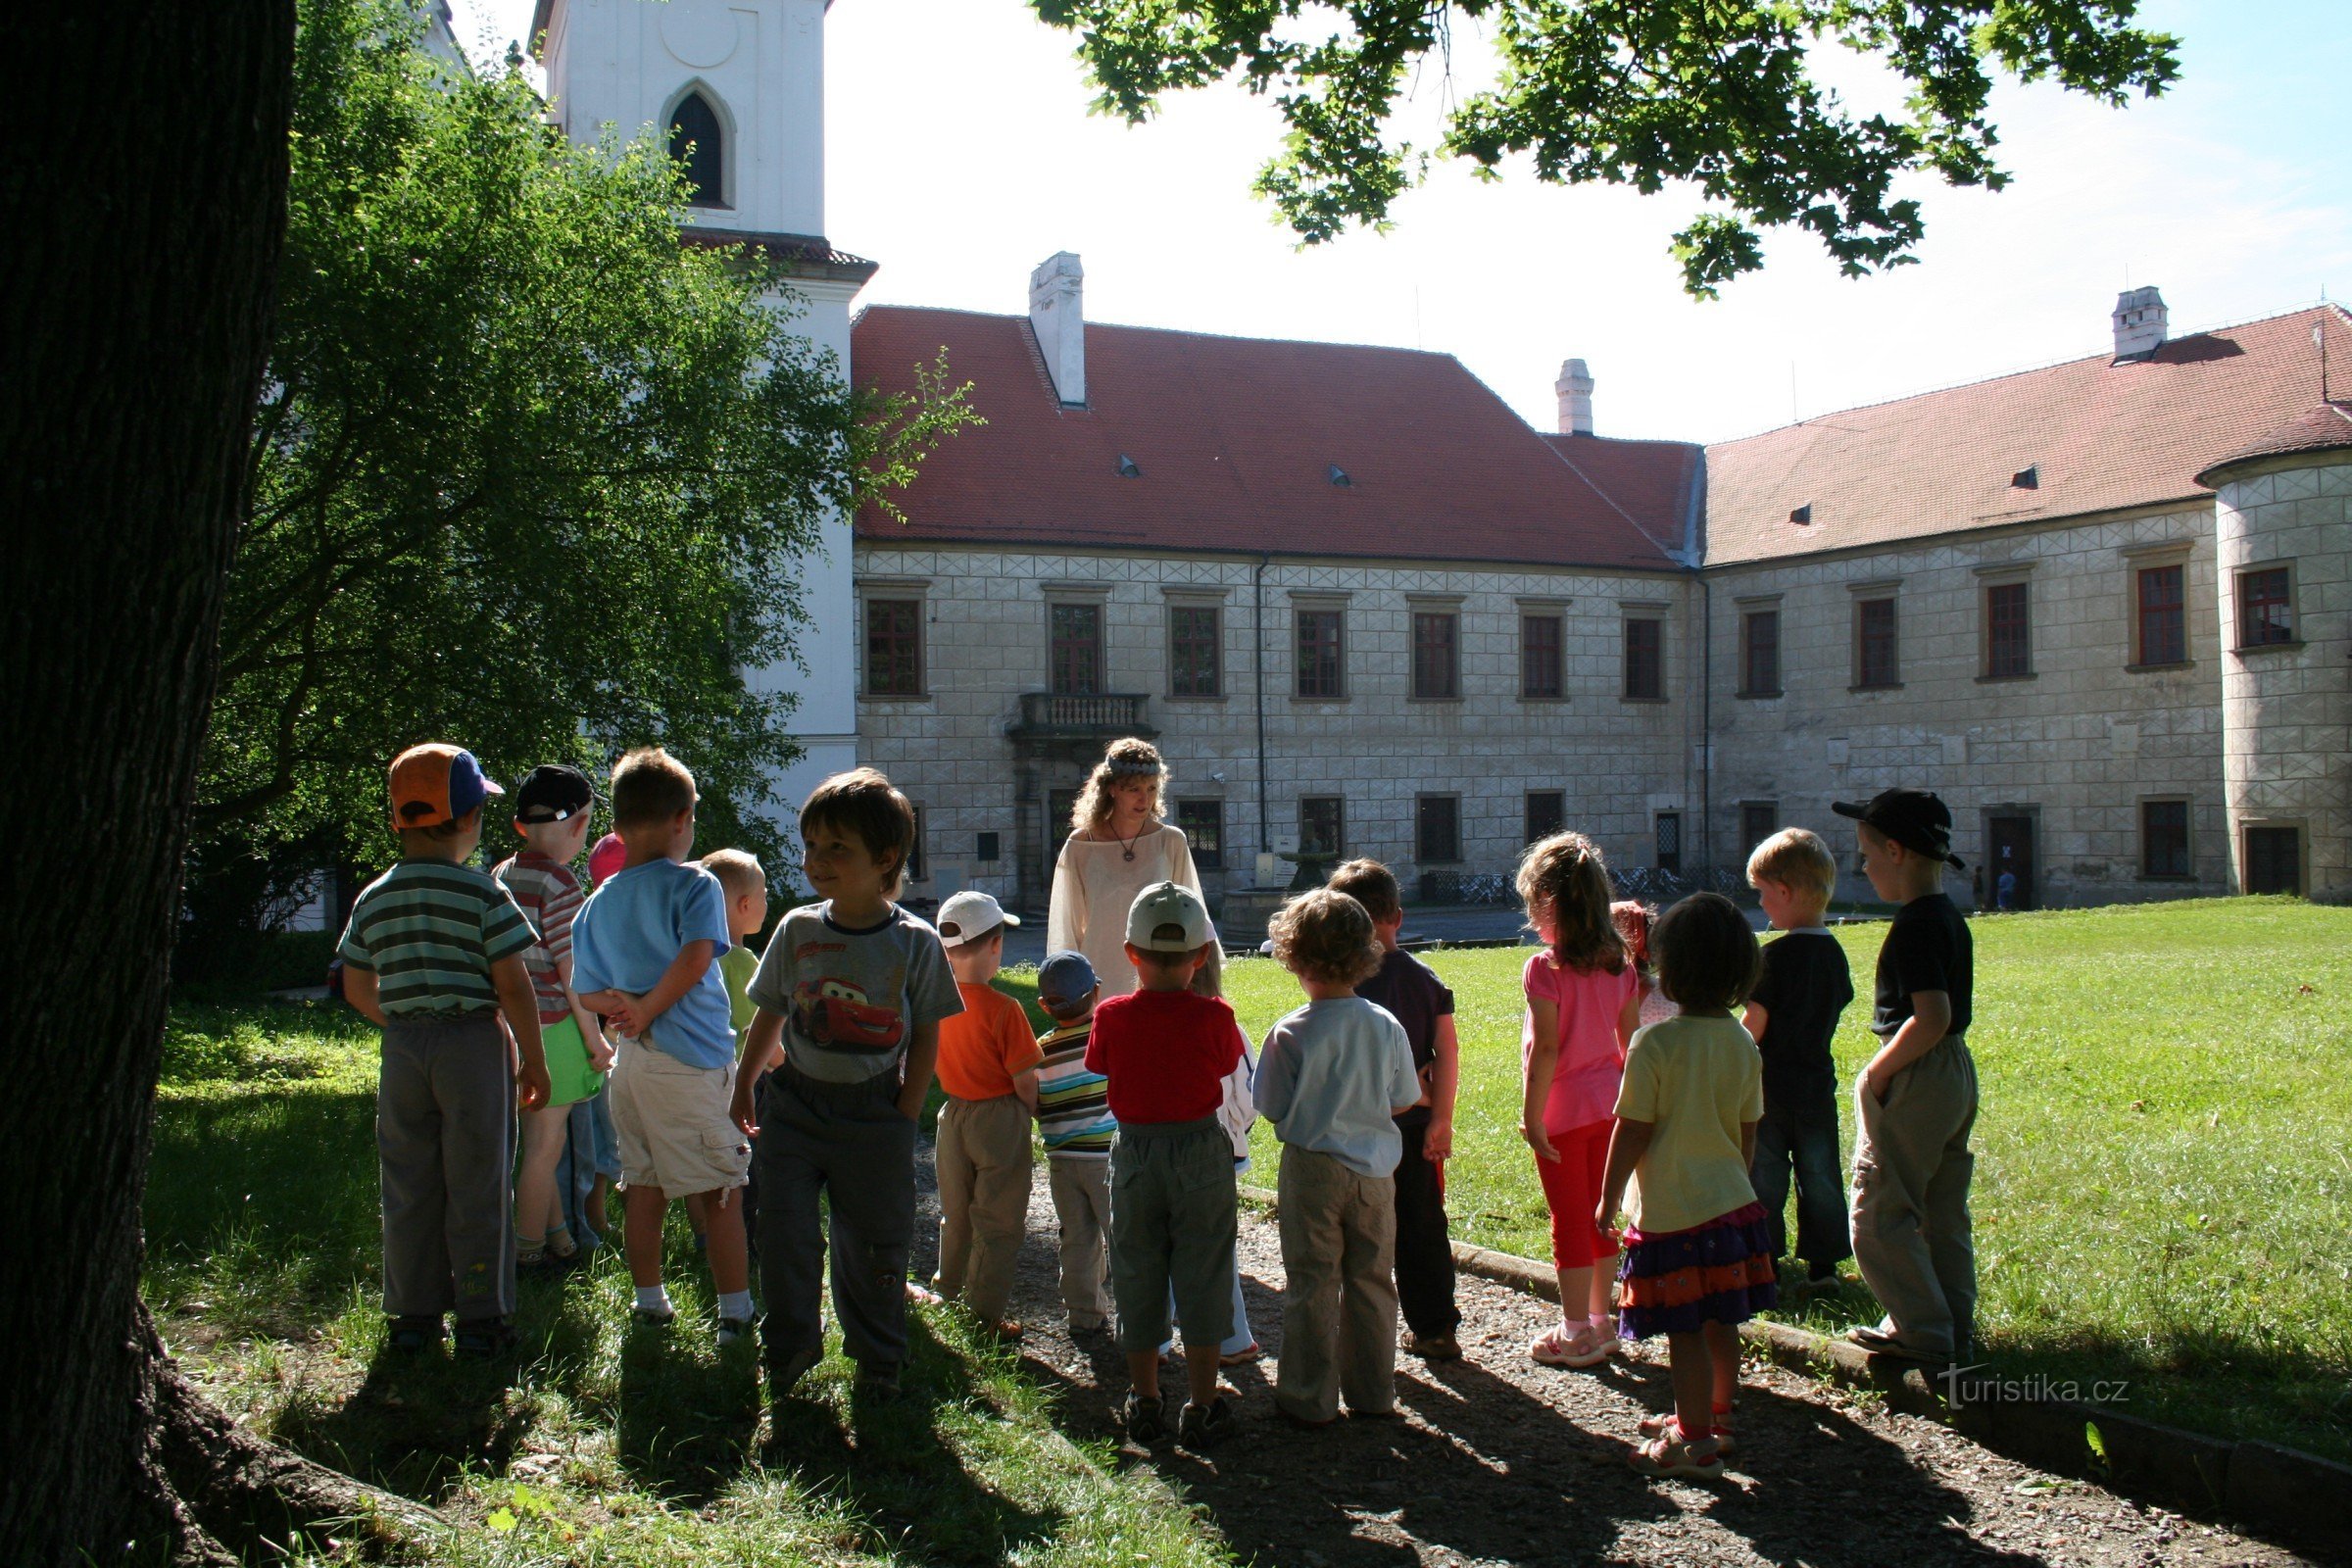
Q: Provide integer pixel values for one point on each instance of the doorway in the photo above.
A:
(2274, 859)
(2009, 861)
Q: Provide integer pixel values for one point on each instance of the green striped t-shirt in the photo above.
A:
(431, 930)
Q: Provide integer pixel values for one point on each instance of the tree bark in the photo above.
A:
(141, 211)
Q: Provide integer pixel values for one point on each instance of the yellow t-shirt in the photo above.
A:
(1694, 1080)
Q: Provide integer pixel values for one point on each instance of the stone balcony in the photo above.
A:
(1090, 718)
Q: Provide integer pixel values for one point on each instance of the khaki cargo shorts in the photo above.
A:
(673, 1125)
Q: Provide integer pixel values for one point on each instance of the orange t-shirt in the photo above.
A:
(981, 1047)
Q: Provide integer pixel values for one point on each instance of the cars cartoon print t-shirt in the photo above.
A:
(853, 996)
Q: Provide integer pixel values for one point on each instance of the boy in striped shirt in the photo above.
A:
(434, 954)
(1073, 1115)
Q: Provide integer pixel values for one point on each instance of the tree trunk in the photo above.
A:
(140, 216)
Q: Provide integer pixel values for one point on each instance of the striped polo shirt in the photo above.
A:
(431, 930)
(549, 895)
(1073, 1108)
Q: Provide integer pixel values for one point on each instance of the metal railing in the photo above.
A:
(1093, 712)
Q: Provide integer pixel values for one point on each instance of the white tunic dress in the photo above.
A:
(1095, 885)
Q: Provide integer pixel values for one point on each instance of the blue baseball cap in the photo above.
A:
(1064, 978)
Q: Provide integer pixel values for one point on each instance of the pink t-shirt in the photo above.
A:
(1592, 1062)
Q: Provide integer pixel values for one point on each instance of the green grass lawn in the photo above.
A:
(597, 1447)
(2164, 1154)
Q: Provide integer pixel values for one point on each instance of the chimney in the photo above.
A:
(1057, 316)
(1575, 390)
(2140, 323)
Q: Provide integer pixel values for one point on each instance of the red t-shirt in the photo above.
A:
(1166, 1054)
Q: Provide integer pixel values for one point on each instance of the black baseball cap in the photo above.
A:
(552, 792)
(1914, 818)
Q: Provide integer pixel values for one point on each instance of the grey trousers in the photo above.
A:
(1912, 1166)
(1173, 1225)
(847, 1144)
(985, 1170)
(1338, 1305)
(445, 1151)
(1081, 1187)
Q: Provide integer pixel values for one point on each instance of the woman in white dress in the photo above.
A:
(1118, 845)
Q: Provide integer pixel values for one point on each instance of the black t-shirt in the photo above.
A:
(1412, 991)
(1927, 948)
(1806, 985)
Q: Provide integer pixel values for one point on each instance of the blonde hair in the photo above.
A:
(649, 785)
(1326, 936)
(1128, 757)
(737, 870)
(1794, 859)
(1564, 884)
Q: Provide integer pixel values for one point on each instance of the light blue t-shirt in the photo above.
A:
(1330, 1078)
(631, 930)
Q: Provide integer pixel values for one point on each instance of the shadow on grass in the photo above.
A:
(415, 1423)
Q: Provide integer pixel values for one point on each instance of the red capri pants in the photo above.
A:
(1572, 1189)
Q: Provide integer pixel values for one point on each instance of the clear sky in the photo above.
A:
(961, 153)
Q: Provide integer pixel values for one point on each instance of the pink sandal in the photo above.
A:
(1655, 1426)
(1554, 1347)
(1670, 1454)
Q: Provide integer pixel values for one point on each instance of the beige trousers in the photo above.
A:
(1912, 1165)
(1081, 1187)
(1339, 1304)
(984, 1174)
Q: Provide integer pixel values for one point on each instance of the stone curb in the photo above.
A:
(2282, 1493)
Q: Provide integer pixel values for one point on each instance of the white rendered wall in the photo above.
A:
(2288, 716)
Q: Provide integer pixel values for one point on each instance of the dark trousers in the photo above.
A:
(1799, 1134)
(847, 1144)
(445, 1148)
(1423, 1250)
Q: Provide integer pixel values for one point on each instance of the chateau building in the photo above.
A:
(2104, 608)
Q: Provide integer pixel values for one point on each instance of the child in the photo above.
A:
(1583, 1002)
(434, 952)
(745, 885)
(1333, 1078)
(645, 953)
(988, 1065)
(1911, 1159)
(592, 1156)
(1165, 1052)
(850, 994)
(1411, 991)
(1633, 920)
(1792, 1015)
(1075, 1119)
(551, 817)
(1696, 1263)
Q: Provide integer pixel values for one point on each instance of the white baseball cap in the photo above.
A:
(1166, 904)
(969, 914)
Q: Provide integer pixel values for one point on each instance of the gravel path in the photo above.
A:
(1498, 1460)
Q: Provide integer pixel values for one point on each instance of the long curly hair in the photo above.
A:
(1564, 883)
(1128, 757)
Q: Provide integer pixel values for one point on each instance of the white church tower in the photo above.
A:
(737, 87)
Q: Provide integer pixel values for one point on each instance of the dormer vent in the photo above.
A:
(1802, 515)
(1127, 467)
(1338, 476)
(2028, 477)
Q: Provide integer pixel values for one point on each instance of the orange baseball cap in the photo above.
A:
(436, 784)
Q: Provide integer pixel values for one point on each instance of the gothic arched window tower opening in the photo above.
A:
(698, 147)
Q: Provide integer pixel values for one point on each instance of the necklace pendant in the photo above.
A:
(1128, 853)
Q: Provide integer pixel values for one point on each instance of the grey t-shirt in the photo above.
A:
(853, 997)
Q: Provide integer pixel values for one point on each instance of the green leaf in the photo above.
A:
(501, 1521)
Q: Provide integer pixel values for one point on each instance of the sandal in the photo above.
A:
(1667, 1454)
(1579, 1350)
(1654, 1426)
(485, 1335)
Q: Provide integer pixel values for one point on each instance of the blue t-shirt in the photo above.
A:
(631, 930)
(1330, 1078)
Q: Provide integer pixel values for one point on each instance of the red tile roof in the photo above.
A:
(2099, 436)
(1235, 440)
(2326, 429)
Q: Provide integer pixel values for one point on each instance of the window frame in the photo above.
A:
(918, 609)
(2288, 627)
(1867, 677)
(1339, 818)
(2020, 641)
(1557, 623)
(720, 198)
(2141, 610)
(2187, 844)
(1748, 837)
(1215, 644)
(1301, 613)
(1749, 617)
(1527, 819)
(1452, 802)
(1209, 855)
(1435, 639)
(1096, 643)
(1629, 656)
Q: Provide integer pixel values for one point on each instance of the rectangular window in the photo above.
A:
(2274, 859)
(893, 647)
(1542, 672)
(2263, 616)
(1760, 654)
(1668, 836)
(2164, 838)
(1319, 653)
(1322, 826)
(1077, 649)
(988, 848)
(1436, 668)
(1195, 646)
(1758, 821)
(1547, 813)
(1203, 825)
(1645, 658)
(2163, 615)
(2008, 638)
(1439, 829)
(1874, 643)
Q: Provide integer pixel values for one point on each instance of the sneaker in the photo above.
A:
(1241, 1357)
(412, 1336)
(785, 1375)
(1667, 1454)
(653, 1317)
(485, 1335)
(878, 1381)
(1145, 1420)
(1653, 1426)
(1199, 1428)
(1821, 1274)
(1432, 1347)
(734, 1331)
